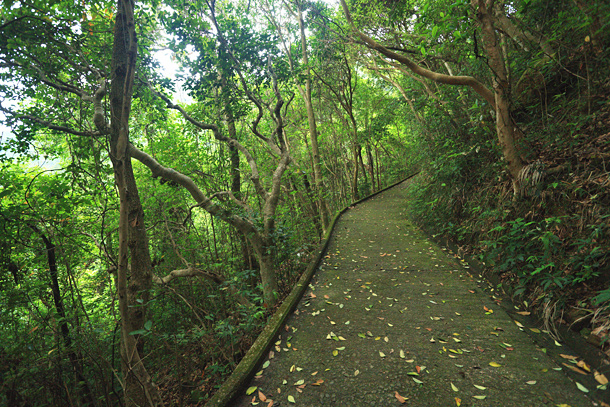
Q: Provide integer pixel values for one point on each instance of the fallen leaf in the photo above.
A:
(494, 364)
(357, 372)
(480, 397)
(418, 369)
(454, 388)
(601, 379)
(458, 401)
(291, 399)
(519, 324)
(417, 380)
(574, 368)
(402, 354)
(535, 330)
(318, 382)
(523, 312)
(335, 352)
(400, 398)
(480, 387)
(299, 382)
(570, 357)
(262, 396)
(251, 390)
(381, 354)
(583, 366)
(531, 382)
(266, 364)
(582, 388)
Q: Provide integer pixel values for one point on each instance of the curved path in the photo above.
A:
(392, 319)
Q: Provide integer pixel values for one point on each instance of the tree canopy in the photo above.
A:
(146, 236)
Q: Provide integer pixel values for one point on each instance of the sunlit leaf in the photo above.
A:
(494, 364)
(454, 387)
(251, 390)
(480, 397)
(480, 387)
(291, 399)
(582, 388)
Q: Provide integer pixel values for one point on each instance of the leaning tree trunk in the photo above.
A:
(505, 128)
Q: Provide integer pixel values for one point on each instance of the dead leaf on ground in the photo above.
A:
(583, 366)
(601, 379)
(523, 312)
(400, 398)
(575, 369)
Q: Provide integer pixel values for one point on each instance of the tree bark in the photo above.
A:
(505, 128)
(313, 128)
(133, 282)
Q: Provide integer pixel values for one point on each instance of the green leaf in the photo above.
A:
(582, 388)
(251, 390)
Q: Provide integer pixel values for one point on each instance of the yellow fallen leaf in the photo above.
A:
(458, 401)
(523, 312)
(531, 382)
(454, 388)
(251, 390)
(291, 399)
(601, 379)
(381, 354)
(494, 364)
(583, 366)
(535, 330)
(574, 368)
(519, 324)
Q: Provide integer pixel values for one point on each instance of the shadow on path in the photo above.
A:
(390, 317)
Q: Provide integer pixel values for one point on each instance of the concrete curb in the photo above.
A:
(254, 357)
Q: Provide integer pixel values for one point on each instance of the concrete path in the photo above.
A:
(391, 319)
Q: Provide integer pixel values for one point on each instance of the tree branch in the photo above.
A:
(477, 86)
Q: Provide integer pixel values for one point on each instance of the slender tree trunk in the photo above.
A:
(355, 172)
(133, 282)
(505, 127)
(58, 301)
(313, 129)
(371, 164)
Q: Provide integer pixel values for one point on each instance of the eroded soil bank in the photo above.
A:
(390, 318)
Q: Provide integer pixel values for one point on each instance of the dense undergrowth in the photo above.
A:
(551, 247)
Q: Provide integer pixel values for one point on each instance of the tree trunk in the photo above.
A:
(266, 261)
(313, 129)
(505, 128)
(133, 291)
(58, 301)
(354, 182)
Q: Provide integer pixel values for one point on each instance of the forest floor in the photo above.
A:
(390, 318)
